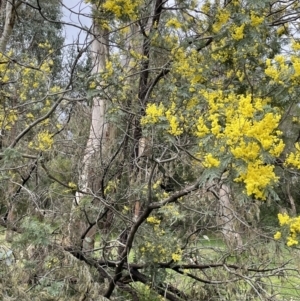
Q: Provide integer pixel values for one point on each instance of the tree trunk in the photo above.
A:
(291, 200)
(96, 144)
(7, 16)
(227, 218)
(10, 16)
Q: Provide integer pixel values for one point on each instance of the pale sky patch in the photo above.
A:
(77, 14)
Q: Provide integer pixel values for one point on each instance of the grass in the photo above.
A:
(282, 286)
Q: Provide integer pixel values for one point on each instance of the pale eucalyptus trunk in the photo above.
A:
(8, 15)
(7, 18)
(227, 218)
(293, 210)
(97, 144)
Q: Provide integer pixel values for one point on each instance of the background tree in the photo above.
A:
(140, 169)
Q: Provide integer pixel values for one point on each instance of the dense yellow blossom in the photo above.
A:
(7, 118)
(177, 255)
(233, 120)
(44, 141)
(153, 220)
(296, 45)
(173, 120)
(202, 129)
(44, 45)
(246, 151)
(255, 19)
(156, 112)
(277, 235)
(224, 116)
(278, 69)
(174, 130)
(257, 177)
(153, 113)
(283, 219)
(238, 32)
(296, 65)
(122, 8)
(173, 23)
(293, 225)
(156, 184)
(293, 159)
(291, 241)
(210, 161)
(221, 18)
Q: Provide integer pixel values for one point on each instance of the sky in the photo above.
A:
(76, 12)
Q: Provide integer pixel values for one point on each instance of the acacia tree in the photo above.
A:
(193, 117)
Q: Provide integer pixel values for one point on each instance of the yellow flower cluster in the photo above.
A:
(176, 256)
(111, 186)
(44, 141)
(158, 252)
(92, 85)
(277, 69)
(153, 113)
(159, 246)
(156, 113)
(184, 65)
(122, 8)
(34, 78)
(201, 128)
(283, 219)
(4, 71)
(296, 45)
(257, 177)
(293, 223)
(153, 220)
(293, 159)
(240, 126)
(255, 20)
(170, 211)
(210, 161)
(237, 32)
(7, 118)
(135, 54)
(45, 45)
(277, 235)
(232, 120)
(246, 151)
(46, 66)
(240, 122)
(72, 185)
(222, 17)
(108, 72)
(174, 23)
(296, 65)
(173, 120)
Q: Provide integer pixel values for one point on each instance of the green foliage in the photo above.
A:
(151, 162)
(34, 29)
(144, 293)
(34, 232)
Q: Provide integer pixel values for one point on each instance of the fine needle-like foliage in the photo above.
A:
(152, 158)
